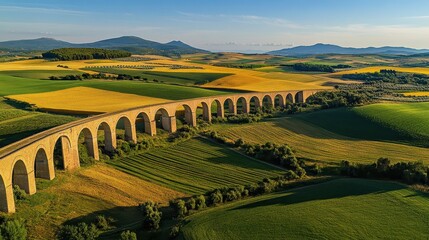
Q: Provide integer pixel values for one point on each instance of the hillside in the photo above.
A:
(321, 48)
(128, 43)
(338, 209)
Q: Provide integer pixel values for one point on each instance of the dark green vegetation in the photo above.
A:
(390, 76)
(68, 54)
(306, 67)
(183, 78)
(195, 166)
(329, 99)
(338, 209)
(16, 124)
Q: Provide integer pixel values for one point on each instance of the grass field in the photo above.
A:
(85, 100)
(195, 166)
(16, 124)
(40, 74)
(317, 143)
(401, 122)
(184, 78)
(338, 209)
(83, 194)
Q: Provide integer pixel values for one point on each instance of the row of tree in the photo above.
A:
(68, 54)
(333, 99)
(390, 76)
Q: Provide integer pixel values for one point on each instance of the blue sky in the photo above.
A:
(225, 25)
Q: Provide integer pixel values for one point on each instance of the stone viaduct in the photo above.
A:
(33, 157)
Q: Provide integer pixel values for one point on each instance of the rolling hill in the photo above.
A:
(129, 43)
(321, 48)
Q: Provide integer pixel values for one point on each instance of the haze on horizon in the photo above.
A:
(247, 26)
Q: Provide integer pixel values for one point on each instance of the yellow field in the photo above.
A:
(416, 94)
(421, 70)
(85, 100)
(98, 188)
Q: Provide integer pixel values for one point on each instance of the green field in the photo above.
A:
(338, 209)
(402, 122)
(40, 74)
(183, 78)
(316, 143)
(16, 124)
(16, 85)
(195, 166)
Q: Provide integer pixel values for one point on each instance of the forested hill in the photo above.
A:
(67, 54)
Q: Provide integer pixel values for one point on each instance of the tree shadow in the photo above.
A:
(329, 190)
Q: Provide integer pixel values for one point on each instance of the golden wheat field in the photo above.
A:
(85, 100)
(421, 70)
(416, 94)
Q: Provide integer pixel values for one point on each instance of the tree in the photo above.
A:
(81, 231)
(151, 215)
(128, 235)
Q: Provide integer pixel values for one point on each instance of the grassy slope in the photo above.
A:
(195, 166)
(339, 209)
(83, 194)
(405, 122)
(314, 142)
(40, 74)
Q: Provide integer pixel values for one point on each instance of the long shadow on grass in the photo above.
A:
(329, 190)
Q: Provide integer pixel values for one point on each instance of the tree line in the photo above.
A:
(68, 54)
(390, 76)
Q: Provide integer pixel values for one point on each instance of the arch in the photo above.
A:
(124, 123)
(90, 143)
(299, 97)
(64, 156)
(218, 109)
(242, 105)
(164, 120)
(144, 124)
(187, 114)
(267, 102)
(289, 98)
(108, 143)
(7, 203)
(206, 112)
(229, 106)
(255, 104)
(20, 177)
(279, 101)
(41, 165)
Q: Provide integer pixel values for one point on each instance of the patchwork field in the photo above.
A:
(85, 100)
(316, 143)
(84, 193)
(195, 166)
(338, 209)
(416, 94)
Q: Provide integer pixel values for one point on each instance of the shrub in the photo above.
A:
(13, 230)
(216, 197)
(19, 193)
(151, 215)
(174, 233)
(128, 235)
(78, 232)
(190, 204)
(179, 207)
(102, 222)
(200, 202)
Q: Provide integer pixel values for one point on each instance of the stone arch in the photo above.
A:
(267, 101)
(219, 108)
(229, 105)
(22, 177)
(188, 114)
(109, 140)
(243, 105)
(128, 127)
(279, 101)
(144, 124)
(90, 142)
(299, 97)
(42, 165)
(67, 159)
(255, 104)
(164, 120)
(289, 98)
(206, 112)
(6, 202)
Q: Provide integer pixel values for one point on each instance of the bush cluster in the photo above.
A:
(151, 215)
(390, 76)
(12, 229)
(68, 54)
(78, 232)
(327, 99)
(409, 172)
(307, 67)
(128, 235)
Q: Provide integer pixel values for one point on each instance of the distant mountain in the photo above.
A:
(129, 43)
(321, 48)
